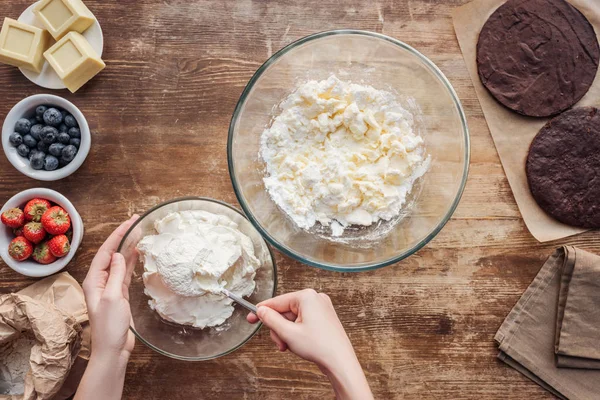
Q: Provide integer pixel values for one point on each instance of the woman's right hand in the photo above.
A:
(306, 323)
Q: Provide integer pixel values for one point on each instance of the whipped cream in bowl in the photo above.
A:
(183, 254)
(342, 155)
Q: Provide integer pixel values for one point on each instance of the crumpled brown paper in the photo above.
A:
(53, 310)
(512, 133)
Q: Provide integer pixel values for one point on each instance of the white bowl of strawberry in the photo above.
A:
(41, 231)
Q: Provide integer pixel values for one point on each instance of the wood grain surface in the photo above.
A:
(159, 114)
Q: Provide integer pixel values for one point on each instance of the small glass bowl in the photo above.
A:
(384, 63)
(184, 342)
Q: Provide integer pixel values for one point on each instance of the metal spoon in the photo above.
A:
(244, 303)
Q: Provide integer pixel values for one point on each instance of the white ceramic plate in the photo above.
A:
(48, 77)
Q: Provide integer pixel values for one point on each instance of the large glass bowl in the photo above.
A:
(184, 342)
(384, 63)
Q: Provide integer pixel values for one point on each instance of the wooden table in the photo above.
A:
(159, 114)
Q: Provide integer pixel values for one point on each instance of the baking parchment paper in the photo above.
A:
(512, 133)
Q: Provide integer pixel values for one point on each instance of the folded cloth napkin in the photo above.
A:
(577, 331)
(552, 335)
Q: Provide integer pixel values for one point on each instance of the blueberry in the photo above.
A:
(32, 121)
(22, 126)
(23, 150)
(75, 142)
(64, 113)
(64, 138)
(62, 162)
(49, 134)
(50, 138)
(40, 110)
(69, 152)
(56, 149)
(53, 117)
(75, 133)
(50, 163)
(15, 139)
(63, 128)
(71, 122)
(42, 146)
(29, 141)
(32, 153)
(37, 160)
(39, 119)
(36, 130)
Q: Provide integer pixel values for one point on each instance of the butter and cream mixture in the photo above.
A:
(193, 256)
(341, 154)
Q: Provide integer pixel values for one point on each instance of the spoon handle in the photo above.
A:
(246, 304)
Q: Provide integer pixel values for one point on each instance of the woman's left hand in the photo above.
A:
(106, 289)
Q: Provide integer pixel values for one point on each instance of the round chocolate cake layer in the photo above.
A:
(537, 57)
(563, 167)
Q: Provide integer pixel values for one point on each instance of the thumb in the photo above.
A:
(276, 322)
(114, 286)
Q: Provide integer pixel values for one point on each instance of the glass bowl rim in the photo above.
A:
(440, 76)
(271, 255)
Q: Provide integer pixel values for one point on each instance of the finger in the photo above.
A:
(92, 293)
(93, 285)
(284, 303)
(281, 345)
(102, 259)
(277, 322)
(252, 318)
(326, 298)
(114, 286)
(290, 316)
(132, 255)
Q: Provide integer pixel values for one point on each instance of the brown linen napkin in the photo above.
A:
(557, 322)
(577, 332)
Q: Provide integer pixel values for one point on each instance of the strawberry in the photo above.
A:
(56, 221)
(34, 209)
(69, 234)
(20, 248)
(42, 254)
(13, 218)
(59, 246)
(34, 232)
(18, 231)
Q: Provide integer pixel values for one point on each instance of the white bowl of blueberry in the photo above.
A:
(46, 137)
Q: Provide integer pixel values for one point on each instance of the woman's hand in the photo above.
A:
(306, 323)
(106, 289)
